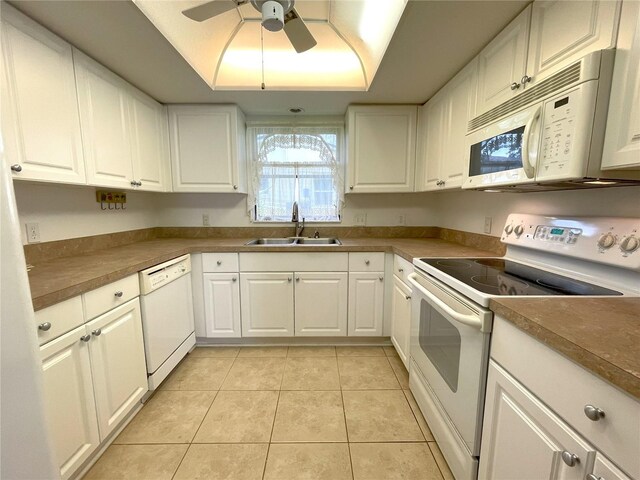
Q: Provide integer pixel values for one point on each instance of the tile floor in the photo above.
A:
(279, 413)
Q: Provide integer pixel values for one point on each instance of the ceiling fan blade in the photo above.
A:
(210, 9)
(297, 32)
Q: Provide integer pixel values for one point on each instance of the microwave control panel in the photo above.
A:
(558, 132)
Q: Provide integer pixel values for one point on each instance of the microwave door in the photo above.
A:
(531, 144)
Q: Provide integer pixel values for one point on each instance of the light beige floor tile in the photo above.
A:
(311, 352)
(400, 370)
(390, 351)
(263, 352)
(366, 373)
(239, 417)
(142, 462)
(393, 461)
(308, 461)
(442, 463)
(360, 352)
(225, 352)
(169, 417)
(308, 373)
(309, 417)
(426, 431)
(223, 462)
(255, 374)
(380, 416)
(198, 373)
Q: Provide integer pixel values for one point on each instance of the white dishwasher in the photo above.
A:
(167, 316)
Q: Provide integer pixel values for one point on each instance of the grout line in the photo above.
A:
(181, 460)
(435, 460)
(273, 424)
(346, 429)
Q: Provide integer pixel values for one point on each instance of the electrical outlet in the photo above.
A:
(401, 220)
(33, 232)
(205, 220)
(360, 219)
(487, 224)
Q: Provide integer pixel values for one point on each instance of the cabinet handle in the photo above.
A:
(571, 459)
(381, 278)
(118, 294)
(97, 332)
(288, 279)
(367, 262)
(85, 338)
(401, 270)
(350, 187)
(591, 476)
(44, 326)
(219, 262)
(134, 183)
(407, 297)
(515, 86)
(235, 187)
(593, 413)
(234, 279)
(140, 183)
(525, 79)
(16, 167)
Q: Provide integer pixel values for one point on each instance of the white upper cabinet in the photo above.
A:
(207, 148)
(381, 148)
(622, 140)
(502, 64)
(431, 133)
(40, 124)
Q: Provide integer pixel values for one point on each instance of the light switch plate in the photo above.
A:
(401, 220)
(33, 232)
(205, 220)
(360, 219)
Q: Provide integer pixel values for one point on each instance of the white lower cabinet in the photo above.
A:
(266, 304)
(321, 304)
(366, 301)
(222, 305)
(69, 399)
(603, 469)
(401, 319)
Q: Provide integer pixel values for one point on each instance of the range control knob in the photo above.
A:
(508, 229)
(518, 230)
(607, 241)
(630, 244)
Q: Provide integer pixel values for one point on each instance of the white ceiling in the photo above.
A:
(433, 40)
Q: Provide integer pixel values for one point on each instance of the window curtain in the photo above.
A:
(288, 164)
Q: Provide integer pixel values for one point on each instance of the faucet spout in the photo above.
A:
(294, 212)
(295, 217)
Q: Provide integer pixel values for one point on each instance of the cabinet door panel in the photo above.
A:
(606, 470)
(366, 301)
(222, 305)
(69, 400)
(401, 319)
(117, 363)
(266, 304)
(432, 144)
(40, 122)
(321, 304)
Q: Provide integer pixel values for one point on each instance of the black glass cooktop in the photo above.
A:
(496, 276)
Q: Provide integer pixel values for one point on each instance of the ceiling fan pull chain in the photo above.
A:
(262, 55)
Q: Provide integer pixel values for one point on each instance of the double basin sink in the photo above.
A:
(293, 241)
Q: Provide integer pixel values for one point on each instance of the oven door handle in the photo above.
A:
(529, 169)
(470, 320)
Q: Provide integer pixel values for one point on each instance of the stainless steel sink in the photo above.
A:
(319, 241)
(294, 241)
(272, 241)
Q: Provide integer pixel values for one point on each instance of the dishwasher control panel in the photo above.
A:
(159, 275)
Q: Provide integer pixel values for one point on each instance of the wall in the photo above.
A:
(465, 210)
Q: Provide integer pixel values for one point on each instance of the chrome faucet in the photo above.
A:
(295, 217)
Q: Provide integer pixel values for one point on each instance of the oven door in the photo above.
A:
(505, 152)
(450, 347)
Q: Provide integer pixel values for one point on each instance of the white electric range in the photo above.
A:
(451, 322)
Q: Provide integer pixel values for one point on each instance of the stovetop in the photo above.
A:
(500, 277)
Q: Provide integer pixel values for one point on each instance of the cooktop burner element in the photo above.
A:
(496, 276)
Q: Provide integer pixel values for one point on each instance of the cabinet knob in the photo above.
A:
(134, 183)
(515, 86)
(219, 262)
(140, 183)
(593, 413)
(407, 297)
(525, 79)
(571, 459)
(16, 167)
(235, 187)
(381, 278)
(591, 476)
(350, 187)
(297, 279)
(288, 279)
(118, 294)
(234, 279)
(85, 338)
(44, 326)
(367, 262)
(97, 332)
(401, 270)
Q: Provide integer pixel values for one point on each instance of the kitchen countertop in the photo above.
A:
(601, 334)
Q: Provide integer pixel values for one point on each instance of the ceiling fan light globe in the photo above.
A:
(272, 16)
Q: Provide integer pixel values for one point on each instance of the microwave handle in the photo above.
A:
(470, 320)
(529, 169)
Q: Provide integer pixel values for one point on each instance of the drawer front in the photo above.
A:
(402, 268)
(103, 299)
(568, 389)
(293, 262)
(219, 262)
(57, 319)
(366, 262)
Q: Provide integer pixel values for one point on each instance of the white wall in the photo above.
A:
(465, 210)
(64, 211)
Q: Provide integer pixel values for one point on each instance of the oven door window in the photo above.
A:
(497, 154)
(440, 341)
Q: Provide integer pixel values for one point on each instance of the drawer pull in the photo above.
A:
(407, 297)
(591, 476)
(593, 413)
(85, 338)
(97, 332)
(571, 459)
(16, 168)
(401, 270)
(288, 279)
(381, 278)
(118, 294)
(367, 262)
(297, 279)
(234, 279)
(44, 326)
(219, 262)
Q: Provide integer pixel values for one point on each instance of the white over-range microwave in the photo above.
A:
(550, 137)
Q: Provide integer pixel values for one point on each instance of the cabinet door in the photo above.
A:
(522, 438)
(266, 304)
(205, 152)
(563, 31)
(502, 64)
(381, 148)
(432, 143)
(321, 304)
(603, 469)
(40, 123)
(622, 140)
(366, 301)
(106, 137)
(401, 318)
(117, 363)
(222, 305)
(69, 401)
(150, 143)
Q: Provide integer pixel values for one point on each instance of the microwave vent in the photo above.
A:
(552, 84)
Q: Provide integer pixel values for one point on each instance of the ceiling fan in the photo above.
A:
(276, 15)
